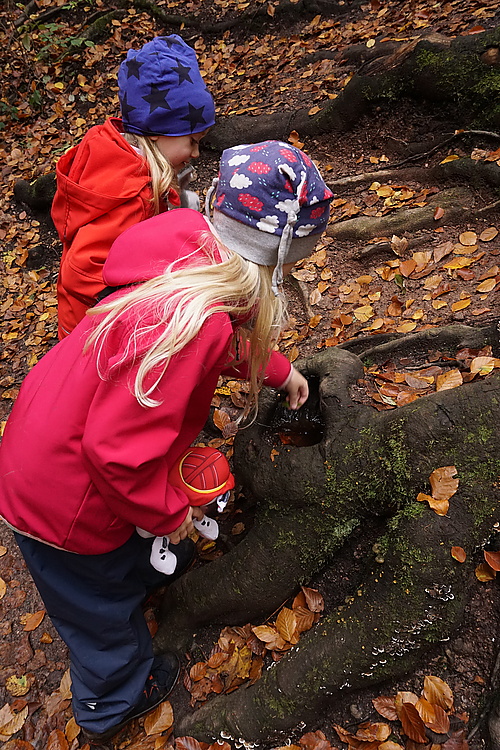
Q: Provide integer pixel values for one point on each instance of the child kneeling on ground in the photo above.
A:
(104, 416)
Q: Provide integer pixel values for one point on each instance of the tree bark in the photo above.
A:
(367, 469)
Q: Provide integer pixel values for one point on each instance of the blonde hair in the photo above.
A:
(161, 171)
(172, 308)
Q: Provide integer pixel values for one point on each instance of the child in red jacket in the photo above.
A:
(124, 170)
(104, 416)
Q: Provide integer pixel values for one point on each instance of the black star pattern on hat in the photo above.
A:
(157, 98)
(125, 107)
(133, 67)
(195, 116)
(183, 72)
(171, 40)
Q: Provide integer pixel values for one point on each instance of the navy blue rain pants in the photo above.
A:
(94, 602)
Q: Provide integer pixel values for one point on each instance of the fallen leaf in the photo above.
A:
(57, 741)
(468, 238)
(483, 573)
(413, 726)
(438, 692)
(34, 620)
(461, 304)
(314, 599)
(492, 559)
(451, 379)
(444, 483)
(458, 554)
(438, 213)
(160, 719)
(286, 624)
(488, 234)
(486, 286)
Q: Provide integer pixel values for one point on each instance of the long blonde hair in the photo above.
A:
(171, 309)
(161, 171)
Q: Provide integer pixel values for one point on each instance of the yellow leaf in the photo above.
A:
(437, 304)
(59, 85)
(3, 588)
(461, 304)
(71, 730)
(370, 43)
(406, 327)
(452, 157)
(10, 722)
(451, 379)
(314, 321)
(482, 365)
(286, 624)
(459, 262)
(363, 313)
(314, 110)
(18, 685)
(486, 286)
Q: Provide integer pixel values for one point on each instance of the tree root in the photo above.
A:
(415, 594)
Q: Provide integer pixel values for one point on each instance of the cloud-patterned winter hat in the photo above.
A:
(161, 90)
(270, 204)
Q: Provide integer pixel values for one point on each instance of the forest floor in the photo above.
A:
(451, 275)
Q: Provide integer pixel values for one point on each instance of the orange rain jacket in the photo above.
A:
(103, 187)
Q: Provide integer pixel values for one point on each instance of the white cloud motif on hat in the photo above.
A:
(287, 169)
(240, 181)
(236, 160)
(288, 205)
(304, 230)
(268, 224)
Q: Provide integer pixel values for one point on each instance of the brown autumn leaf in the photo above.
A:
(57, 741)
(457, 741)
(438, 213)
(451, 379)
(220, 745)
(71, 730)
(3, 588)
(34, 620)
(492, 559)
(403, 696)
(305, 619)
(438, 692)
(441, 722)
(221, 418)
(468, 238)
(11, 722)
(444, 482)
(65, 685)
(389, 745)
(314, 599)
(373, 731)
(406, 267)
(413, 726)
(160, 719)
(426, 710)
(315, 741)
(286, 625)
(269, 636)
(198, 671)
(488, 234)
(459, 554)
(484, 572)
(187, 743)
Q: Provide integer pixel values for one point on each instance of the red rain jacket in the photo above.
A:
(81, 462)
(103, 187)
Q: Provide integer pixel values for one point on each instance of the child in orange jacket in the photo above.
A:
(123, 171)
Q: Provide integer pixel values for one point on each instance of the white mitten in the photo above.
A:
(161, 558)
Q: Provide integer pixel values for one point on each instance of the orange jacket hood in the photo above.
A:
(95, 177)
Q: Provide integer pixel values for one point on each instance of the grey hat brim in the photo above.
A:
(258, 246)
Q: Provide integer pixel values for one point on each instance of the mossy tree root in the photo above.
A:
(412, 600)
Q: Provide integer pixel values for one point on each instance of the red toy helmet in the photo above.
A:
(203, 474)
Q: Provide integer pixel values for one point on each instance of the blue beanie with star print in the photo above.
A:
(161, 90)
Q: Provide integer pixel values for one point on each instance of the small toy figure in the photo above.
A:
(203, 474)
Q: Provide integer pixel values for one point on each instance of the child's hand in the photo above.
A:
(185, 529)
(297, 388)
